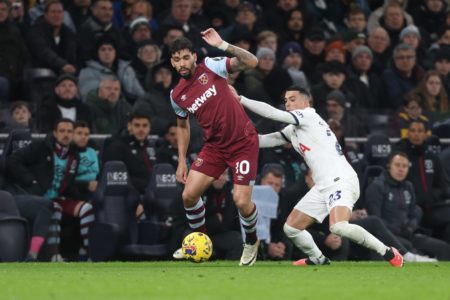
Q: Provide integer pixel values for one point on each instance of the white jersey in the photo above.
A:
(317, 144)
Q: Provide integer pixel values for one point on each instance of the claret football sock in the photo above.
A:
(249, 224)
(196, 216)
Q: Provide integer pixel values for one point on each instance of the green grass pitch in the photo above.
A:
(224, 280)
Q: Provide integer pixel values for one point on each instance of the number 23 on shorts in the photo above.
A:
(334, 197)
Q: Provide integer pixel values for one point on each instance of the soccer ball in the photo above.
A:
(197, 247)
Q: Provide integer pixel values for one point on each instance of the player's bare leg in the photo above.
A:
(249, 215)
(339, 216)
(295, 230)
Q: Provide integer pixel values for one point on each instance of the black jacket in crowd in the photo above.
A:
(31, 169)
(395, 203)
(44, 50)
(13, 53)
(425, 174)
(139, 158)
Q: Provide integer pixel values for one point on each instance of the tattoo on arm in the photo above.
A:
(244, 59)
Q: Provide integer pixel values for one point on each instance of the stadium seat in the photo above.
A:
(158, 200)
(433, 144)
(114, 207)
(377, 149)
(13, 230)
(377, 123)
(39, 84)
(17, 139)
(369, 174)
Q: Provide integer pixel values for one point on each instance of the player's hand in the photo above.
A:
(211, 36)
(333, 241)
(276, 249)
(182, 172)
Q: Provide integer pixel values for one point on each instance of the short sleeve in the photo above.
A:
(182, 114)
(219, 65)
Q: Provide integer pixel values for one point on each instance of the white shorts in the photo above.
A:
(318, 203)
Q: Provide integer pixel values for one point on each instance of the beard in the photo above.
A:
(186, 75)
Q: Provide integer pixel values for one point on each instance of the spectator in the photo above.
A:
(257, 80)
(199, 15)
(335, 50)
(313, 54)
(426, 172)
(279, 247)
(180, 15)
(336, 110)
(277, 16)
(20, 117)
(109, 109)
(80, 11)
(379, 43)
(134, 150)
(45, 171)
(362, 59)
(411, 35)
(13, 56)
(148, 55)
(333, 77)
(356, 19)
(442, 65)
(106, 62)
(35, 13)
(352, 39)
(412, 111)
(391, 17)
(143, 8)
(402, 76)
(64, 103)
(97, 25)
(430, 16)
(156, 101)
(267, 39)
(291, 60)
(246, 19)
(139, 31)
(431, 94)
(168, 151)
(294, 27)
(169, 34)
(391, 197)
(19, 17)
(52, 43)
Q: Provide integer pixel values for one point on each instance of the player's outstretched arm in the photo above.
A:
(270, 140)
(267, 111)
(183, 137)
(242, 59)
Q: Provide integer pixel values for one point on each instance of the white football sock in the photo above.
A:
(359, 235)
(303, 240)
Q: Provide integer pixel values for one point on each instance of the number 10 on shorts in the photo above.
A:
(242, 167)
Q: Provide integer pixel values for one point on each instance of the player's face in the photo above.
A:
(398, 168)
(295, 100)
(184, 62)
(139, 128)
(81, 136)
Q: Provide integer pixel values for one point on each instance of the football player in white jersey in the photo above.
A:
(337, 185)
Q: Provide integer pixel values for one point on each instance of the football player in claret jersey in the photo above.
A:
(336, 184)
(230, 137)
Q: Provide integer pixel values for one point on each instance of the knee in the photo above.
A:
(290, 231)
(340, 228)
(189, 198)
(242, 200)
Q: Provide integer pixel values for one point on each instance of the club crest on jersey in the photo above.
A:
(203, 79)
(198, 162)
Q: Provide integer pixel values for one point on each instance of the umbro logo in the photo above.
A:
(183, 97)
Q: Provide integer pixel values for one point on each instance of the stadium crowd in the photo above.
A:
(71, 68)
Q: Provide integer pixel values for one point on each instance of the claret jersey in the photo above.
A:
(313, 139)
(207, 96)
